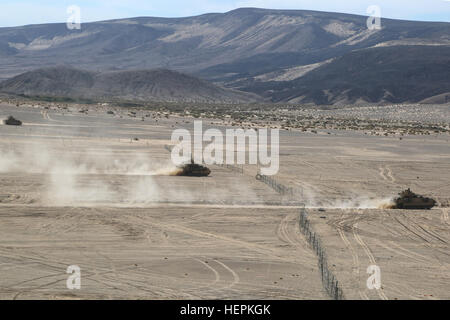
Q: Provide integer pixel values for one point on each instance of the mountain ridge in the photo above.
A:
(239, 50)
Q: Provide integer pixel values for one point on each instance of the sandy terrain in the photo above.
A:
(410, 248)
(78, 189)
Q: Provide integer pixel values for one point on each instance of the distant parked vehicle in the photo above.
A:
(11, 121)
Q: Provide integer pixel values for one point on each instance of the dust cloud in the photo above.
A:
(364, 203)
(99, 176)
(77, 177)
(313, 197)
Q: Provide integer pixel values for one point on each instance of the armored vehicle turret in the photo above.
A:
(193, 170)
(11, 121)
(409, 200)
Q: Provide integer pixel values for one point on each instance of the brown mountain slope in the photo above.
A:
(153, 85)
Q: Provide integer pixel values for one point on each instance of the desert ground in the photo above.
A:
(97, 190)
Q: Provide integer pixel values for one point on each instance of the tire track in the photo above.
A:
(386, 174)
(421, 238)
(390, 175)
(414, 234)
(369, 254)
(236, 278)
(284, 234)
(444, 216)
(403, 251)
(381, 173)
(427, 235)
(216, 274)
(356, 265)
(240, 243)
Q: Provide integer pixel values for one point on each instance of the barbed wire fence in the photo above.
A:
(275, 185)
(329, 281)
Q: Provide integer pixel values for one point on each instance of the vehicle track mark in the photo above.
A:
(356, 266)
(445, 215)
(369, 254)
(390, 174)
(236, 278)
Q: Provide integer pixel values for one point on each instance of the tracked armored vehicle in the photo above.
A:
(193, 170)
(409, 200)
(11, 121)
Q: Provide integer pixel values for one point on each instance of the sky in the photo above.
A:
(23, 12)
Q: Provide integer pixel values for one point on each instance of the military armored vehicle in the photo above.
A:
(11, 121)
(193, 170)
(409, 200)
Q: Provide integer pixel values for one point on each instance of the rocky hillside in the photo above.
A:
(153, 85)
(245, 49)
(393, 74)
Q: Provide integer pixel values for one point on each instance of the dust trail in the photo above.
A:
(364, 203)
(34, 158)
(76, 176)
(313, 197)
(73, 177)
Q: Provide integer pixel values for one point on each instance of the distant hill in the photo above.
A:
(153, 85)
(245, 49)
(376, 75)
